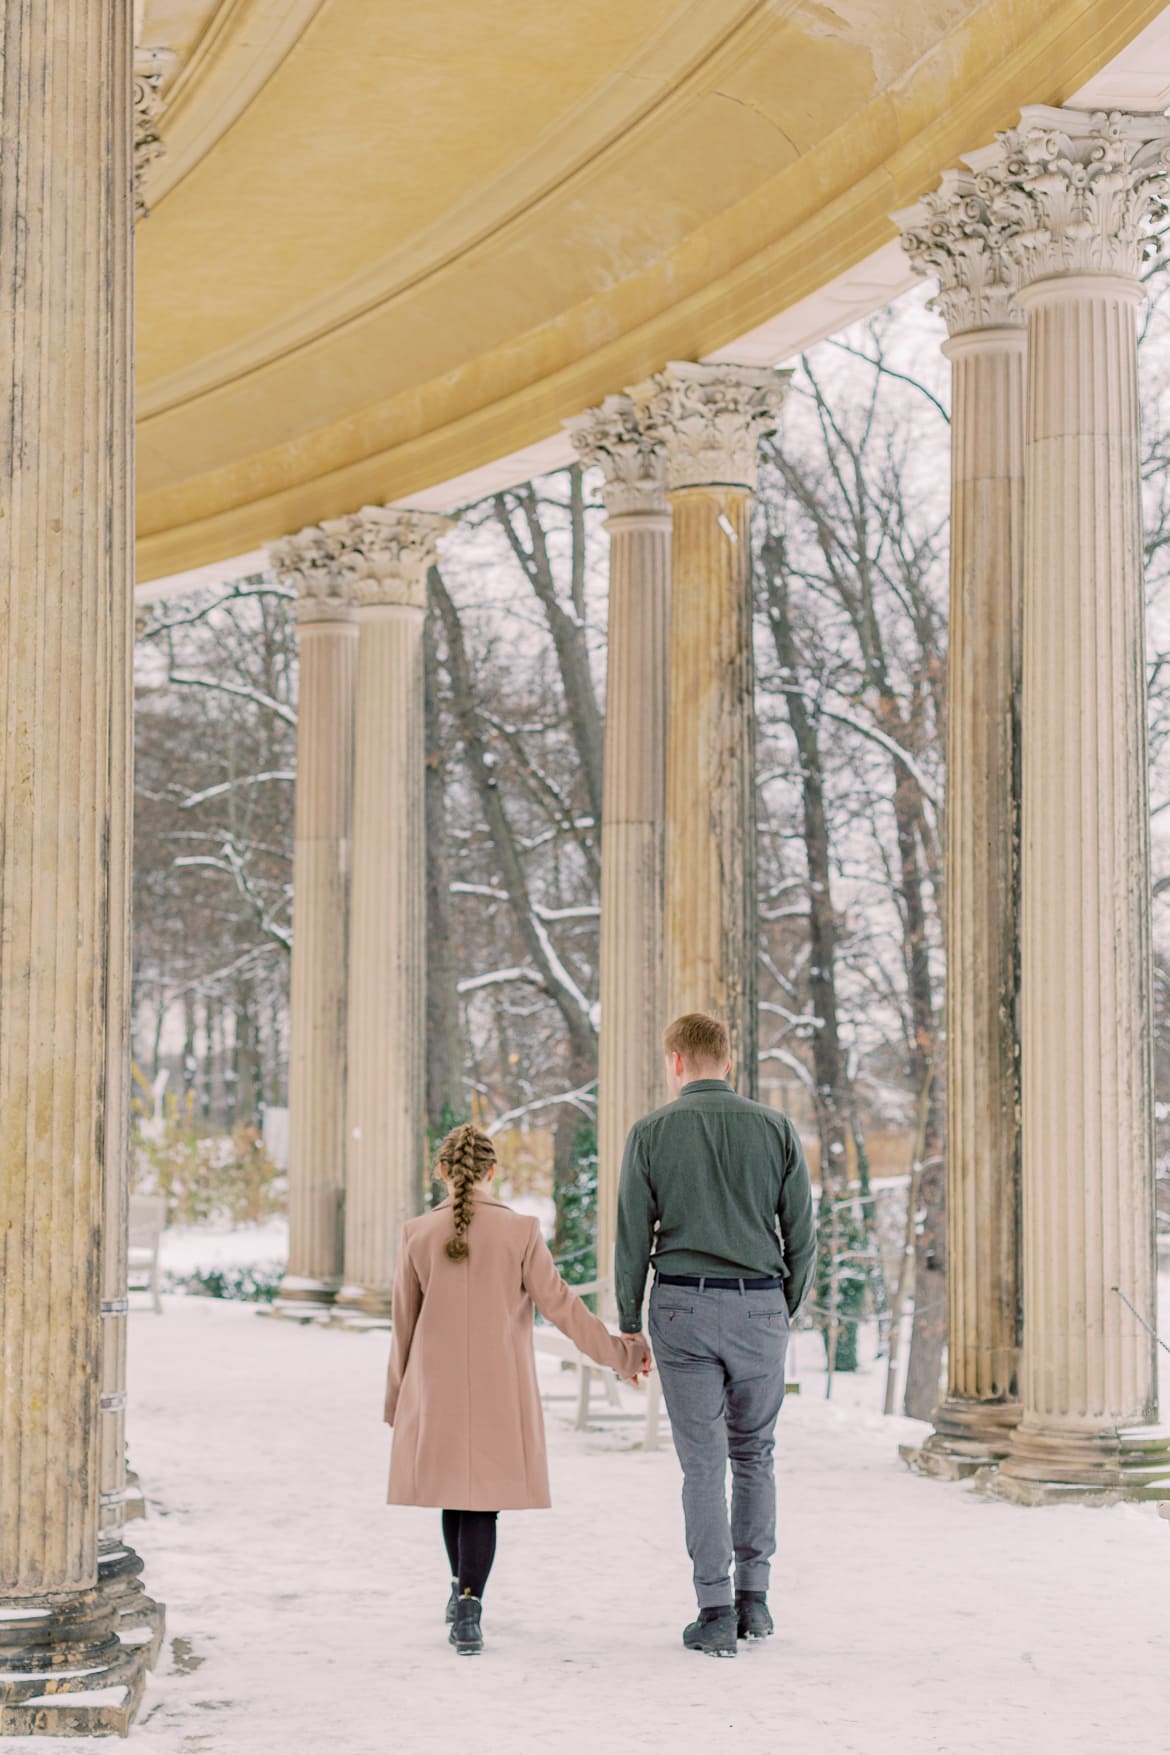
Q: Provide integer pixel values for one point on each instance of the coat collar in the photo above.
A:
(705, 1085)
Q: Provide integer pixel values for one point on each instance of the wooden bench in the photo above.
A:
(553, 1343)
(148, 1216)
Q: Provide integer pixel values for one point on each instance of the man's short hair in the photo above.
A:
(698, 1037)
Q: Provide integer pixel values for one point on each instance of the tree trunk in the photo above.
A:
(840, 1287)
(445, 1098)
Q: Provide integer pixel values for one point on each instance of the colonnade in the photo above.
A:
(1038, 244)
(356, 1071)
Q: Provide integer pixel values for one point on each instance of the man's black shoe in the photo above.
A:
(714, 1633)
(452, 1600)
(751, 1608)
(466, 1633)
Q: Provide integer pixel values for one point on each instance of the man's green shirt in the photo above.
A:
(713, 1184)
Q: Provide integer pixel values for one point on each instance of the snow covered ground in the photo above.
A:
(914, 1618)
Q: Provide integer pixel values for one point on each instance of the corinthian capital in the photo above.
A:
(631, 460)
(388, 550)
(376, 556)
(317, 567)
(1076, 190)
(710, 419)
(952, 233)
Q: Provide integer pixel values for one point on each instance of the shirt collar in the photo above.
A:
(705, 1085)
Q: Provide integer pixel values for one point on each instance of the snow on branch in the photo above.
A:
(230, 785)
(584, 911)
(240, 690)
(558, 970)
(913, 768)
(582, 1098)
(791, 1062)
(499, 977)
(231, 861)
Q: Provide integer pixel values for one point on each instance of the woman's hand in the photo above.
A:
(642, 1361)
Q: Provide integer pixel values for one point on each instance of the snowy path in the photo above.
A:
(306, 1616)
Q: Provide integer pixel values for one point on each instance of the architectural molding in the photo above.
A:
(953, 234)
(710, 419)
(151, 67)
(632, 460)
(1076, 191)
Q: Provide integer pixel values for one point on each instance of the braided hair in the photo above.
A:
(467, 1154)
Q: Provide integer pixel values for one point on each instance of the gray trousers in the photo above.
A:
(720, 1356)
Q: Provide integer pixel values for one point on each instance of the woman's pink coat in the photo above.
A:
(461, 1392)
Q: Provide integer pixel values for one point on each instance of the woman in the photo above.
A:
(461, 1392)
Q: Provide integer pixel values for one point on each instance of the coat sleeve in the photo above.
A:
(798, 1225)
(407, 1303)
(560, 1305)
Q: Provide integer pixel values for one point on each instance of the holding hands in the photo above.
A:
(641, 1361)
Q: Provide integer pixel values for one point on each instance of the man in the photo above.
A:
(715, 1193)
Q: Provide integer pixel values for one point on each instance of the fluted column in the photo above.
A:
(630, 1065)
(316, 565)
(708, 419)
(953, 235)
(66, 479)
(1078, 192)
(386, 1030)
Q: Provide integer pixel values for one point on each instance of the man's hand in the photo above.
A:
(645, 1363)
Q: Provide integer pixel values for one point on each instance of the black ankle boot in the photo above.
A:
(714, 1633)
(751, 1608)
(467, 1631)
(452, 1600)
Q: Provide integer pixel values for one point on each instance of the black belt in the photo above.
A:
(707, 1284)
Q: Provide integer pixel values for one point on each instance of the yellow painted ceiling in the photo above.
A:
(390, 242)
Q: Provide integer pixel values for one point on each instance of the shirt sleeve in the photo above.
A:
(560, 1305)
(405, 1306)
(798, 1225)
(637, 1216)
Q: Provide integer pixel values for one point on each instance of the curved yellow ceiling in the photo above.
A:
(392, 241)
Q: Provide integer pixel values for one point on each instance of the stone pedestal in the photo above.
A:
(952, 234)
(315, 564)
(708, 420)
(1078, 192)
(390, 552)
(65, 752)
(631, 1079)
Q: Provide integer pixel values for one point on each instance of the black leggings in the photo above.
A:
(471, 1547)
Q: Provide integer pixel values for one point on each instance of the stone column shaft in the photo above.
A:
(711, 908)
(981, 878)
(1088, 1164)
(953, 234)
(327, 640)
(708, 419)
(65, 585)
(1080, 191)
(630, 1063)
(386, 1028)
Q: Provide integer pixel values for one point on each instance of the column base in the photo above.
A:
(1098, 1468)
(968, 1435)
(361, 1307)
(75, 1665)
(301, 1298)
